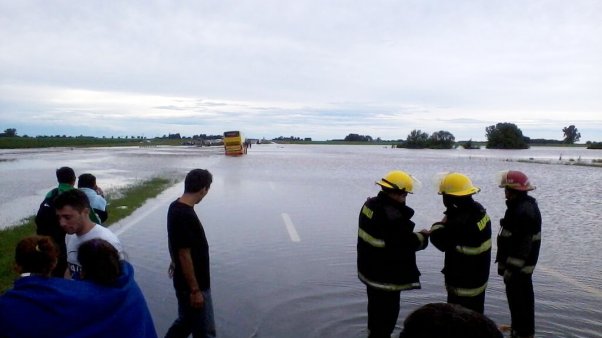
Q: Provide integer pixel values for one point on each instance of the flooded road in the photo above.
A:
(282, 229)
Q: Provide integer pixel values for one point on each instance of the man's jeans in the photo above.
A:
(199, 322)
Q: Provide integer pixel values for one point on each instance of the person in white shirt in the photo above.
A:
(72, 209)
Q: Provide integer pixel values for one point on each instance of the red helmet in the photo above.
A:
(515, 180)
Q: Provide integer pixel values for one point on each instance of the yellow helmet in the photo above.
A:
(456, 184)
(399, 180)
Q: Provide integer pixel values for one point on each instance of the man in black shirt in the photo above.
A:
(189, 253)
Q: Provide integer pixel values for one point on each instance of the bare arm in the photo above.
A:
(196, 297)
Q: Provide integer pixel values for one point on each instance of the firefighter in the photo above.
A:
(386, 250)
(464, 235)
(518, 245)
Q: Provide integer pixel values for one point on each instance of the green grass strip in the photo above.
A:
(126, 201)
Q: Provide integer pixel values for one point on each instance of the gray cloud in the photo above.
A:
(314, 67)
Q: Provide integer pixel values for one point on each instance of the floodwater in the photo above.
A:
(282, 229)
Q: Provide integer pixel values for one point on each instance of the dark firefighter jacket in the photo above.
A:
(465, 238)
(519, 239)
(387, 245)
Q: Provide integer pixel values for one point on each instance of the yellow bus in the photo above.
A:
(234, 143)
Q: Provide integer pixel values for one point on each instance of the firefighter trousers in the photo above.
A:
(383, 309)
(521, 301)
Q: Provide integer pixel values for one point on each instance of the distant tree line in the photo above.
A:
(418, 139)
(593, 145)
(503, 135)
(358, 138)
(291, 139)
(10, 132)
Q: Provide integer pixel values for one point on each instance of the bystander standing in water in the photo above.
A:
(518, 245)
(386, 251)
(189, 267)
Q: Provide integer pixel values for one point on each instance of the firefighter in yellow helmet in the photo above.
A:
(464, 235)
(386, 250)
(518, 250)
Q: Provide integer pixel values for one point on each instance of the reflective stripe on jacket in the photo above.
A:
(519, 239)
(387, 245)
(465, 238)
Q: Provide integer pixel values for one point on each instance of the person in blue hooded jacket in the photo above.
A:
(43, 306)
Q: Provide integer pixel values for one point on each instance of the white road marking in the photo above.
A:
(592, 291)
(292, 232)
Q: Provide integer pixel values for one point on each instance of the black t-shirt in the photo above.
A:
(184, 230)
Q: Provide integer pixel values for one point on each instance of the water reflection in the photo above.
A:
(264, 285)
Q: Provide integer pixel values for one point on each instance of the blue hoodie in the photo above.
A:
(55, 307)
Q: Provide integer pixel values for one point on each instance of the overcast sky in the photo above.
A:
(306, 68)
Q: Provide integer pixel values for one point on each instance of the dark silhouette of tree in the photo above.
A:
(417, 139)
(441, 140)
(571, 134)
(10, 132)
(505, 136)
(469, 145)
(358, 138)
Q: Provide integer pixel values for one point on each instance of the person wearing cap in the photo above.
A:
(518, 245)
(386, 250)
(464, 235)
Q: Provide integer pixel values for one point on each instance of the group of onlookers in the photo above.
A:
(95, 294)
(105, 302)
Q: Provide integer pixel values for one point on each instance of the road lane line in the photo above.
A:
(588, 289)
(292, 232)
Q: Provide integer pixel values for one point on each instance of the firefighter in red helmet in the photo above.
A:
(518, 245)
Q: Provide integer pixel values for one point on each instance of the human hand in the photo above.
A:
(425, 232)
(196, 299)
(99, 191)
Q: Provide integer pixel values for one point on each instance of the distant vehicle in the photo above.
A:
(234, 143)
